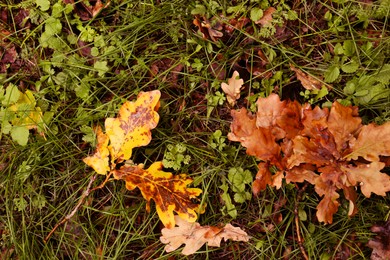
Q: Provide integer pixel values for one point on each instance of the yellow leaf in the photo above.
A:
(194, 236)
(99, 160)
(132, 126)
(169, 192)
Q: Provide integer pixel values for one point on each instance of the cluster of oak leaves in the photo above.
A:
(329, 148)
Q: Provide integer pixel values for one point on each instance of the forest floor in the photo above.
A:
(66, 66)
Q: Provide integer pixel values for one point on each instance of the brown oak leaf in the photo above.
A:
(307, 81)
(369, 177)
(259, 142)
(371, 142)
(343, 122)
(194, 236)
(330, 149)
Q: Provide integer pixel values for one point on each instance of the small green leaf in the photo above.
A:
(350, 67)
(349, 88)
(256, 14)
(332, 73)
(349, 48)
(199, 9)
(20, 134)
(44, 5)
(11, 96)
(302, 215)
(94, 51)
(328, 16)
(20, 204)
(231, 209)
(57, 10)
(82, 91)
(383, 75)
(361, 93)
(101, 67)
(338, 49)
(236, 9)
(53, 26)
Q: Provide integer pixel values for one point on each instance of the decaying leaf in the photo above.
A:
(267, 16)
(307, 81)
(381, 243)
(330, 149)
(233, 88)
(208, 30)
(194, 236)
(132, 129)
(169, 192)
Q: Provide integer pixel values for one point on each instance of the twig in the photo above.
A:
(300, 241)
(76, 208)
(103, 183)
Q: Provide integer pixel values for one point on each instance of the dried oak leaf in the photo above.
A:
(307, 81)
(169, 192)
(233, 88)
(194, 236)
(259, 141)
(381, 243)
(372, 142)
(330, 149)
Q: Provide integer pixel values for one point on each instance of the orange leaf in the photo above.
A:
(263, 178)
(369, 177)
(169, 192)
(371, 142)
(343, 122)
(268, 110)
(329, 204)
(194, 236)
(259, 142)
(232, 89)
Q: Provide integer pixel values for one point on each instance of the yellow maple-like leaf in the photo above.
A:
(132, 126)
(99, 160)
(169, 192)
(194, 236)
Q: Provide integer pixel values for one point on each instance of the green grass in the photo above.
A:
(140, 45)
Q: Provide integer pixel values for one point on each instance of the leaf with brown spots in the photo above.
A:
(132, 126)
(132, 129)
(169, 192)
(194, 236)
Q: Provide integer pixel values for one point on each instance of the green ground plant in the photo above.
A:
(66, 66)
